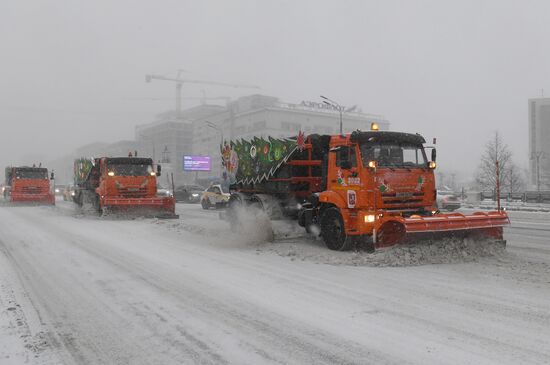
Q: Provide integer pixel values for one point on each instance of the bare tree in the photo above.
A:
(495, 150)
(514, 179)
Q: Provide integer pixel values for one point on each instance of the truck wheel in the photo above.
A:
(365, 242)
(97, 204)
(333, 230)
(233, 207)
(205, 204)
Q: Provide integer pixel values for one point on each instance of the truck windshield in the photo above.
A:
(31, 174)
(130, 169)
(394, 155)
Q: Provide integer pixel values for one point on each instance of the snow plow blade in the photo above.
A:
(167, 216)
(162, 208)
(481, 225)
(37, 199)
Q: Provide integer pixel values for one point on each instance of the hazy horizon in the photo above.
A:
(73, 72)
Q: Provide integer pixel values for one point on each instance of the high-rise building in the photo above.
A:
(539, 143)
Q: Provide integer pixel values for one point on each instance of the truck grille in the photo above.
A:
(403, 199)
(133, 192)
(34, 190)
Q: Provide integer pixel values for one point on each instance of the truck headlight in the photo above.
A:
(369, 218)
(111, 173)
(195, 195)
(432, 165)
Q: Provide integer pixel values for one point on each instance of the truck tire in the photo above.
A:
(365, 242)
(235, 203)
(333, 230)
(97, 204)
(79, 199)
(205, 204)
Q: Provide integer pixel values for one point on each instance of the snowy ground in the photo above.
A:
(83, 290)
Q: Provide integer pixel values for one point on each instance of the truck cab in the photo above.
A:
(378, 173)
(126, 177)
(120, 183)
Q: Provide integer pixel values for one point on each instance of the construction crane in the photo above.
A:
(203, 99)
(179, 83)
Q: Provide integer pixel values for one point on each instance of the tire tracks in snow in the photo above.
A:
(257, 331)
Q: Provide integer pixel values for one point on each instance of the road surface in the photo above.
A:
(79, 289)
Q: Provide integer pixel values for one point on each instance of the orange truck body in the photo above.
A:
(121, 184)
(402, 200)
(374, 185)
(28, 185)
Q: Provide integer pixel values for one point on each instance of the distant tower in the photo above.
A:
(539, 143)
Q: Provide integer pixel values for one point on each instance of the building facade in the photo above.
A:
(263, 116)
(169, 138)
(539, 143)
(200, 131)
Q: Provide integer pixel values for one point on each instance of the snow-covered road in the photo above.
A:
(83, 290)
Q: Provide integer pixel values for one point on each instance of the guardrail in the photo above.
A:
(527, 196)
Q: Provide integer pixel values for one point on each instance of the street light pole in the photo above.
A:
(219, 129)
(341, 123)
(338, 107)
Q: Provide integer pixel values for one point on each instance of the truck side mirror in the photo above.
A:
(158, 170)
(51, 176)
(434, 154)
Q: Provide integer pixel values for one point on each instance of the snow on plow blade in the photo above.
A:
(162, 208)
(33, 198)
(483, 225)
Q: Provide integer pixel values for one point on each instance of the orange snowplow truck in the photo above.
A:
(373, 188)
(28, 184)
(121, 184)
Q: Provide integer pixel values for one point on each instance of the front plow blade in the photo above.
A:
(167, 216)
(484, 225)
(157, 207)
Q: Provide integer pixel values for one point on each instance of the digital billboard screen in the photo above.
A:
(196, 163)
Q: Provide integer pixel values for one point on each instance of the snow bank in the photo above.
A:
(440, 252)
(287, 239)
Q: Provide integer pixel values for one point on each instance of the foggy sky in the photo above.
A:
(73, 71)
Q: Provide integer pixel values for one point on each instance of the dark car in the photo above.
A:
(189, 193)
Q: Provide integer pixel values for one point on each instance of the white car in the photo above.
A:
(214, 196)
(447, 200)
